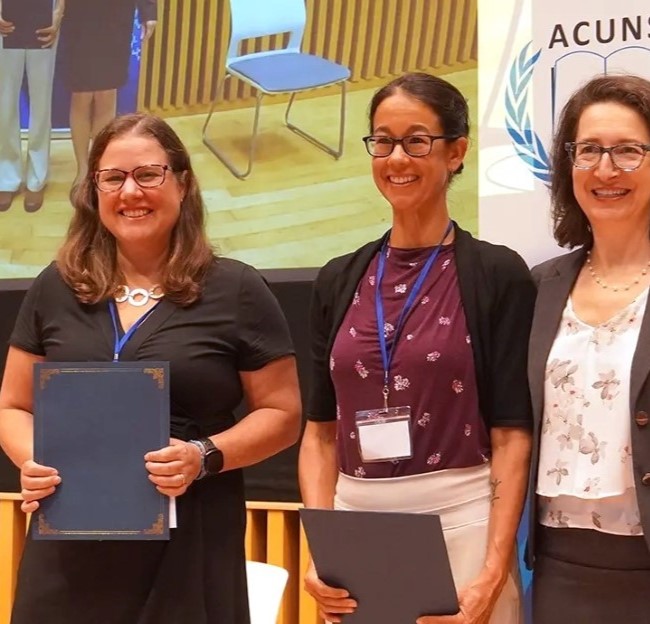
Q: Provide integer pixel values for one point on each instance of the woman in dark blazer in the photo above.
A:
(589, 363)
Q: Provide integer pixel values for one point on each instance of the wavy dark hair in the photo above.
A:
(87, 259)
(570, 225)
(442, 97)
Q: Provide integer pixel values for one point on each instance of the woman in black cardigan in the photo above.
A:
(449, 363)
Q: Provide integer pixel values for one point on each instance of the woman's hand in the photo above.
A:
(173, 467)
(476, 603)
(147, 30)
(36, 482)
(47, 36)
(332, 602)
(6, 28)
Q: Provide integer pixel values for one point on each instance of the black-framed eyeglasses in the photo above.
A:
(145, 176)
(625, 156)
(416, 145)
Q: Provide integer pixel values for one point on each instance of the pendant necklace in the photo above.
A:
(137, 297)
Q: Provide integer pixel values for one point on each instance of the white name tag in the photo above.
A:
(384, 434)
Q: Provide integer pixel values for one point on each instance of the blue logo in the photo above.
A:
(527, 144)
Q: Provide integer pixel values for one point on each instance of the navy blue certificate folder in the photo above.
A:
(395, 565)
(94, 422)
(27, 16)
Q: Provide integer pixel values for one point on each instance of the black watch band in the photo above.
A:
(211, 457)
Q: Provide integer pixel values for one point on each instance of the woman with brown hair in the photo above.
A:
(136, 249)
(589, 366)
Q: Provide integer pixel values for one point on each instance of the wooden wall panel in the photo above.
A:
(12, 538)
(273, 535)
(427, 35)
(183, 66)
(468, 36)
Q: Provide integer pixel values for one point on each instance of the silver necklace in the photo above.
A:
(137, 297)
(603, 284)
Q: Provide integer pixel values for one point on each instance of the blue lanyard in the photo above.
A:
(120, 342)
(386, 354)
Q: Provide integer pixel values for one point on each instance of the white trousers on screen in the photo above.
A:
(461, 497)
(38, 66)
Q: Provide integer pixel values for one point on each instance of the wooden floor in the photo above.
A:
(298, 208)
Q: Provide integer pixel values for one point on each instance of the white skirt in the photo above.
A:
(461, 497)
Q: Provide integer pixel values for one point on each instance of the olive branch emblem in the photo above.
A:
(527, 143)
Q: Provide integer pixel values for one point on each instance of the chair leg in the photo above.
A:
(220, 153)
(336, 152)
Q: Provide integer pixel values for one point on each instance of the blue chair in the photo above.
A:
(285, 70)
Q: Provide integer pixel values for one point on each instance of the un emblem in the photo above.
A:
(525, 140)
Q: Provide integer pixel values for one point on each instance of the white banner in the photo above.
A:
(532, 55)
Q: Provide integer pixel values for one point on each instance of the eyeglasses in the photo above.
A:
(145, 176)
(416, 145)
(625, 156)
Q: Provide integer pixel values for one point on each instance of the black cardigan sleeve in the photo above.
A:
(326, 304)
(510, 319)
(321, 405)
(332, 293)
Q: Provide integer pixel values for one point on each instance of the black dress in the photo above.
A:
(199, 575)
(95, 43)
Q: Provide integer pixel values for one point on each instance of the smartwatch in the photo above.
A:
(211, 457)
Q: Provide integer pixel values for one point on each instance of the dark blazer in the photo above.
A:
(555, 279)
(498, 298)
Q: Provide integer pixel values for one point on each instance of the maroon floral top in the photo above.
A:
(432, 369)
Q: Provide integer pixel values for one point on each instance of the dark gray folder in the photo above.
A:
(27, 16)
(394, 565)
(94, 422)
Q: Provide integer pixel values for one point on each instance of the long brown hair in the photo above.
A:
(87, 259)
(570, 225)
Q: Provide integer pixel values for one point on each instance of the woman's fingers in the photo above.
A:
(147, 30)
(6, 28)
(32, 469)
(168, 472)
(34, 495)
(331, 600)
(173, 467)
(164, 469)
(177, 480)
(34, 476)
(29, 507)
(36, 482)
(39, 483)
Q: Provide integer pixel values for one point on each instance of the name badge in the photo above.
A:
(384, 434)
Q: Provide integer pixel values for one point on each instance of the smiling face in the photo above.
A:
(414, 183)
(605, 193)
(139, 218)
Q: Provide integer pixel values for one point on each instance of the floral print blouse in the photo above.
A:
(432, 369)
(585, 477)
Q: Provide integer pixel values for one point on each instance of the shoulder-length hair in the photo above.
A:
(87, 259)
(570, 225)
